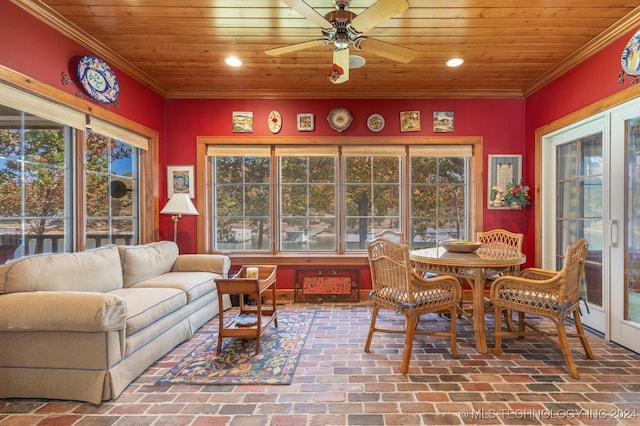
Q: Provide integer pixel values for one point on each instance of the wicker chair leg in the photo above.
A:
(498, 331)
(454, 345)
(508, 320)
(411, 325)
(563, 341)
(583, 337)
(522, 325)
(374, 315)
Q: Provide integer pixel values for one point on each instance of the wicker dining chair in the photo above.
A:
(396, 286)
(501, 238)
(390, 235)
(549, 294)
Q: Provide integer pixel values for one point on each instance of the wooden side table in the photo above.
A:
(242, 284)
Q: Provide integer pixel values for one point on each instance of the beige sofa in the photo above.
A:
(82, 326)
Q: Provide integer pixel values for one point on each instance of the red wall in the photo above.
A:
(499, 122)
(42, 53)
(593, 80)
(587, 83)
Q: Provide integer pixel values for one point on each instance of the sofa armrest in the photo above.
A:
(215, 263)
(62, 311)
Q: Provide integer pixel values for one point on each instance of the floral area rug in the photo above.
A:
(280, 349)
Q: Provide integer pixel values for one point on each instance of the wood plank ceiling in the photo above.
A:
(176, 47)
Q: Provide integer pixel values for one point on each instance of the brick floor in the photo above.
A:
(337, 383)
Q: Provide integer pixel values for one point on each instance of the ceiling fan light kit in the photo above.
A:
(356, 61)
(343, 28)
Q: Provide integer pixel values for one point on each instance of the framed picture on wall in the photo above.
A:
(504, 169)
(180, 181)
(410, 121)
(242, 122)
(442, 122)
(306, 122)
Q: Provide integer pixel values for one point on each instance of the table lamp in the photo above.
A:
(178, 205)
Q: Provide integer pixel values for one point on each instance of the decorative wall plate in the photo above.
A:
(339, 119)
(375, 122)
(98, 80)
(274, 122)
(631, 55)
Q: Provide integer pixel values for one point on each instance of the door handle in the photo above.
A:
(613, 229)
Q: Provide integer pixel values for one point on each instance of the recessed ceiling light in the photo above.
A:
(233, 61)
(455, 62)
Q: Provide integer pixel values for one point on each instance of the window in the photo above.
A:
(34, 178)
(332, 199)
(307, 199)
(242, 199)
(111, 195)
(440, 187)
(60, 192)
(372, 193)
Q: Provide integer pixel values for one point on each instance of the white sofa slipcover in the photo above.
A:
(82, 326)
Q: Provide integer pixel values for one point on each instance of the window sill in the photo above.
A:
(299, 259)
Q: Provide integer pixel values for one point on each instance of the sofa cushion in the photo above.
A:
(148, 305)
(146, 261)
(216, 263)
(62, 311)
(96, 270)
(194, 284)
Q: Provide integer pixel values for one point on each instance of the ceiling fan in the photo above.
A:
(343, 28)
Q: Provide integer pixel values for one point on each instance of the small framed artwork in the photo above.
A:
(306, 122)
(180, 181)
(442, 122)
(410, 121)
(243, 122)
(504, 169)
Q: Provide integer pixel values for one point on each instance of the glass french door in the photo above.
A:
(625, 226)
(591, 189)
(574, 207)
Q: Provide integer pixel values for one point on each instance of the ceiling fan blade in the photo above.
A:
(294, 47)
(341, 59)
(388, 50)
(308, 12)
(378, 12)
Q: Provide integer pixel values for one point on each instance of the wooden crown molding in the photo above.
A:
(61, 24)
(601, 41)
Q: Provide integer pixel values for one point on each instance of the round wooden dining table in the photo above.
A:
(473, 268)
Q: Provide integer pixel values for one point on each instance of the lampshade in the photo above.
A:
(180, 204)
